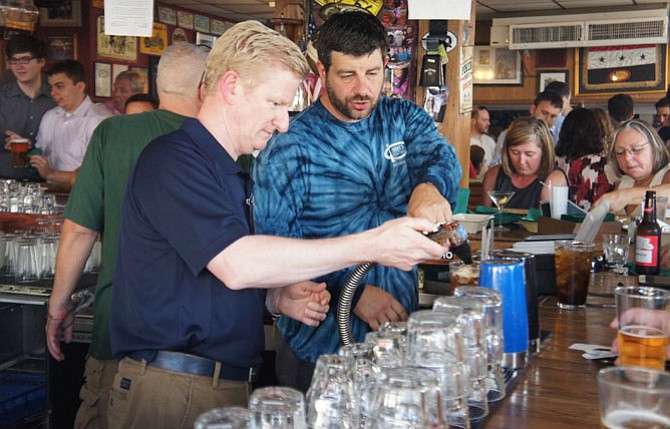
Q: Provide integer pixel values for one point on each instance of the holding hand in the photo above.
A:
(306, 302)
(427, 202)
(376, 307)
(41, 163)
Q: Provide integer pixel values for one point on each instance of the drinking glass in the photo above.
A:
(330, 397)
(224, 418)
(573, 265)
(500, 199)
(642, 313)
(632, 397)
(277, 408)
(616, 251)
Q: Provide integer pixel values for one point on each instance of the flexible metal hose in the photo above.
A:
(346, 297)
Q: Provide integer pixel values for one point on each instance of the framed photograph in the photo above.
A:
(497, 66)
(61, 48)
(218, 27)
(117, 47)
(205, 39)
(167, 15)
(546, 77)
(156, 44)
(201, 23)
(614, 69)
(68, 14)
(103, 80)
(185, 20)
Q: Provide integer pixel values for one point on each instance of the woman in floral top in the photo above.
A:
(581, 151)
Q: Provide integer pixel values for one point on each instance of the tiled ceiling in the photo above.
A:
(239, 10)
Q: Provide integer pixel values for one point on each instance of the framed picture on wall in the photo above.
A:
(118, 47)
(614, 69)
(497, 66)
(205, 39)
(68, 14)
(61, 48)
(544, 78)
(103, 80)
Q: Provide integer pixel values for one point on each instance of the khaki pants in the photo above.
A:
(94, 394)
(145, 397)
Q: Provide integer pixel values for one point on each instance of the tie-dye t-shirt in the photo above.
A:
(328, 178)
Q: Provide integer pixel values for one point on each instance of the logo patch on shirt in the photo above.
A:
(396, 152)
(125, 384)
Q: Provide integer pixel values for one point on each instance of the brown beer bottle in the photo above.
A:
(648, 240)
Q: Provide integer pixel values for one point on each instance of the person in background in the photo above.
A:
(605, 124)
(479, 127)
(528, 160)
(191, 277)
(476, 162)
(24, 99)
(94, 207)
(641, 159)
(126, 84)
(140, 103)
(621, 109)
(662, 113)
(349, 162)
(548, 105)
(65, 130)
(563, 89)
(582, 151)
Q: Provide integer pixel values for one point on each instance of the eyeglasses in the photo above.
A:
(632, 151)
(22, 60)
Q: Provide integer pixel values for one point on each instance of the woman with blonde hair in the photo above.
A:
(528, 163)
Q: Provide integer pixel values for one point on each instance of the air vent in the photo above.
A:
(640, 31)
(546, 34)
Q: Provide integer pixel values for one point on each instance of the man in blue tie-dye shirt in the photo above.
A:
(350, 162)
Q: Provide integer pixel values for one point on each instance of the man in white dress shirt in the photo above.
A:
(66, 129)
(479, 125)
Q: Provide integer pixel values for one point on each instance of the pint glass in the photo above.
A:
(573, 265)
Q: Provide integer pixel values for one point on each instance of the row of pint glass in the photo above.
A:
(30, 198)
(29, 257)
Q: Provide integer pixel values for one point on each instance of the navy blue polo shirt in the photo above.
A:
(185, 202)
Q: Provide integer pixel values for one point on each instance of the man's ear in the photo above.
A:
(230, 86)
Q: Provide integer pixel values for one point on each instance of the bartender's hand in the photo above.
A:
(41, 163)
(427, 202)
(306, 302)
(376, 307)
(59, 323)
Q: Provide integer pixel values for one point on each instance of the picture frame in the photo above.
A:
(117, 47)
(205, 39)
(201, 23)
(156, 44)
(103, 80)
(167, 15)
(497, 66)
(185, 19)
(68, 14)
(616, 69)
(61, 48)
(545, 77)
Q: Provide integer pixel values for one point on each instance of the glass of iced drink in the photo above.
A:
(573, 265)
(463, 274)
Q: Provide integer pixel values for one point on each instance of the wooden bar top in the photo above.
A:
(559, 388)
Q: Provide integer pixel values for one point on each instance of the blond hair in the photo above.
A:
(250, 49)
(523, 130)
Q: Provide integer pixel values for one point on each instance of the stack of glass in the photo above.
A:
(30, 198)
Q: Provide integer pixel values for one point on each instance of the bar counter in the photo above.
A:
(559, 388)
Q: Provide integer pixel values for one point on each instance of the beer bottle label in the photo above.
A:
(645, 250)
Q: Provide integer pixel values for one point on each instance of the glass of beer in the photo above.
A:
(463, 274)
(573, 265)
(632, 397)
(642, 313)
(20, 148)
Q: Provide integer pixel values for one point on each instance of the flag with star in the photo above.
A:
(634, 63)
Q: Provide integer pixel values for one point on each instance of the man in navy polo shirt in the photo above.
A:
(188, 294)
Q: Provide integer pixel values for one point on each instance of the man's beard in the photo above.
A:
(341, 105)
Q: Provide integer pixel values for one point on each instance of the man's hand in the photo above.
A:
(59, 322)
(9, 135)
(41, 163)
(306, 302)
(376, 307)
(427, 202)
(398, 243)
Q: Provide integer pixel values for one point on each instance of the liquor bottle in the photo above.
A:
(648, 241)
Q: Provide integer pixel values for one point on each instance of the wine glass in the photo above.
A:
(500, 198)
